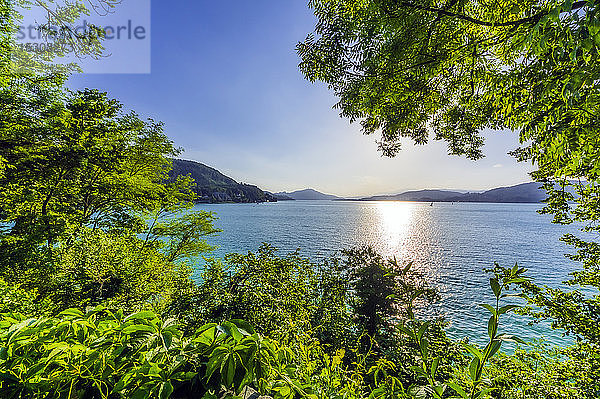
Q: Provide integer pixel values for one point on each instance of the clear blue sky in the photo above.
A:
(225, 82)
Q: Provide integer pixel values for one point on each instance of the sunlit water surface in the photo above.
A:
(450, 243)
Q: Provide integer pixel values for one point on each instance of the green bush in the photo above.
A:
(13, 298)
(279, 295)
(543, 371)
(116, 270)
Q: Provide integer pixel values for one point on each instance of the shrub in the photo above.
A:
(116, 270)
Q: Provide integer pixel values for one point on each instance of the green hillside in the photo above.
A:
(214, 187)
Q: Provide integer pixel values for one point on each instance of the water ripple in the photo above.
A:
(450, 243)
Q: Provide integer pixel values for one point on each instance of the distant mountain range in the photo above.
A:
(526, 192)
(213, 186)
(307, 194)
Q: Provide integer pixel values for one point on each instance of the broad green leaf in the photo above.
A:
(167, 338)
(458, 389)
(165, 391)
(71, 313)
(422, 329)
(495, 286)
(488, 307)
(495, 346)
(492, 323)
(228, 370)
(243, 326)
(473, 368)
(473, 350)
(138, 328)
(146, 314)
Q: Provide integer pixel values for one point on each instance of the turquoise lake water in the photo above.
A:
(450, 243)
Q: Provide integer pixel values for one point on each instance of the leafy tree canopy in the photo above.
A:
(57, 29)
(455, 67)
(78, 160)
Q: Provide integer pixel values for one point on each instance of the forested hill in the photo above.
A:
(213, 186)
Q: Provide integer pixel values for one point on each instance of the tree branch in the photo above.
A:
(441, 11)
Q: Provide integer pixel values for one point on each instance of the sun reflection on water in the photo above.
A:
(394, 221)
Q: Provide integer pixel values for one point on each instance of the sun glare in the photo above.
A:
(394, 224)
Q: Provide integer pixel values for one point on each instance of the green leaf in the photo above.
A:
(422, 330)
(138, 328)
(231, 330)
(146, 314)
(406, 331)
(71, 313)
(167, 338)
(510, 338)
(495, 286)
(285, 390)
(419, 370)
(434, 366)
(517, 280)
(458, 389)
(473, 368)
(488, 307)
(228, 371)
(492, 327)
(155, 370)
(165, 391)
(424, 344)
(213, 364)
(495, 346)
(567, 5)
(507, 308)
(554, 13)
(141, 393)
(439, 389)
(207, 337)
(483, 393)
(243, 326)
(183, 376)
(473, 350)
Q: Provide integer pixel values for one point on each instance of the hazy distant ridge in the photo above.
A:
(307, 194)
(421, 195)
(521, 193)
(280, 197)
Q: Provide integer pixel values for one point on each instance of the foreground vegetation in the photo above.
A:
(281, 326)
(97, 244)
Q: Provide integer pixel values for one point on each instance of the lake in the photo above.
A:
(450, 243)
